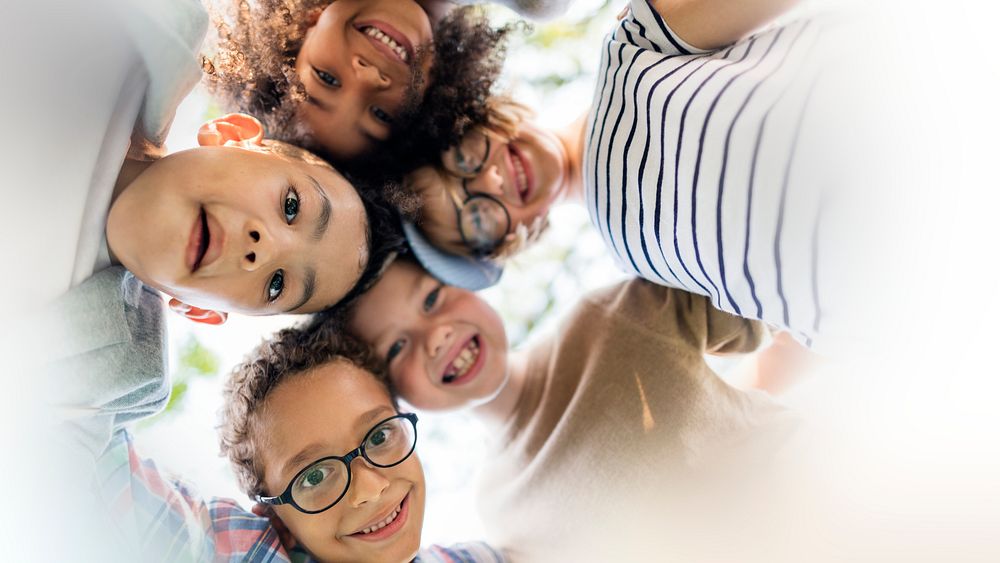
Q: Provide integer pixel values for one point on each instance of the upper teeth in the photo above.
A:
(522, 177)
(374, 33)
(460, 366)
(388, 520)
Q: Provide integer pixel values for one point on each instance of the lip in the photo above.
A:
(392, 32)
(529, 175)
(205, 241)
(474, 369)
(391, 529)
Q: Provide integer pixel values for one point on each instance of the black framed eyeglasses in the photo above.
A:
(325, 481)
(483, 220)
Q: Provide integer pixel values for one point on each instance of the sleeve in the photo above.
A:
(674, 313)
(158, 514)
(469, 552)
(106, 349)
(646, 29)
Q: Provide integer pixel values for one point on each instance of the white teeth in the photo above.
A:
(388, 520)
(389, 41)
(465, 360)
(522, 176)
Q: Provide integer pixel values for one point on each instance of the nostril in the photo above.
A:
(251, 257)
(255, 236)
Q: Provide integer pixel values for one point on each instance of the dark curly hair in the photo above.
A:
(249, 66)
(290, 353)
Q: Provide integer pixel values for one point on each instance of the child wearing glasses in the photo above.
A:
(702, 163)
(617, 408)
(313, 432)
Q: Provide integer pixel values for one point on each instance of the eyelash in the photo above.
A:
(292, 200)
(326, 78)
(276, 285)
(429, 303)
(381, 115)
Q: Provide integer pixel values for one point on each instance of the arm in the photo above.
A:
(778, 367)
(711, 24)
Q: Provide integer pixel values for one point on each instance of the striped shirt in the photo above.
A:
(163, 517)
(694, 166)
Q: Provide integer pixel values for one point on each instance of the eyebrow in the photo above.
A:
(326, 210)
(308, 289)
(311, 451)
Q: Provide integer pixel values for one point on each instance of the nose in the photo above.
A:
(369, 74)
(367, 482)
(489, 181)
(258, 248)
(439, 338)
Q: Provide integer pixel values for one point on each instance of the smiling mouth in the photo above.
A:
(201, 236)
(521, 172)
(461, 367)
(389, 40)
(388, 525)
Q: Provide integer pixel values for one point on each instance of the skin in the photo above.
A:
(711, 24)
(243, 193)
(553, 158)
(355, 86)
(310, 415)
(420, 326)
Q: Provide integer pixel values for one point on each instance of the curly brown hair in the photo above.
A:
(291, 353)
(249, 67)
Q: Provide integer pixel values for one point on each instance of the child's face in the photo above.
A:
(357, 65)
(527, 175)
(328, 413)
(241, 231)
(445, 347)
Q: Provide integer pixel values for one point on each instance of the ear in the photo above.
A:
(235, 129)
(206, 316)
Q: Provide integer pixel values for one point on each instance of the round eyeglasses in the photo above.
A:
(483, 220)
(325, 481)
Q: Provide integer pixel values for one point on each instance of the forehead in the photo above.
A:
(326, 405)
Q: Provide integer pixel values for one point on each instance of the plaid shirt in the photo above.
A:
(159, 514)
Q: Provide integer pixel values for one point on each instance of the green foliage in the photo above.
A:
(194, 361)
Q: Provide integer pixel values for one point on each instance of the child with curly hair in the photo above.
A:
(341, 78)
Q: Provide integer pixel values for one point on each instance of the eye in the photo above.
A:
(432, 298)
(327, 78)
(381, 115)
(314, 477)
(291, 206)
(394, 350)
(380, 436)
(276, 285)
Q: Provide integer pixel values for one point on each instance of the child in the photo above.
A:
(692, 164)
(295, 396)
(616, 409)
(342, 77)
(246, 225)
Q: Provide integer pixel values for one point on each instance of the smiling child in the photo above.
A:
(343, 77)
(616, 408)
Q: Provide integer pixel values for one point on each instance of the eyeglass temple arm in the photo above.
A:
(273, 501)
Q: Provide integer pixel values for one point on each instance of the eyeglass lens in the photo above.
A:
(468, 157)
(484, 222)
(325, 482)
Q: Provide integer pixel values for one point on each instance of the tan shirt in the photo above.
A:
(617, 408)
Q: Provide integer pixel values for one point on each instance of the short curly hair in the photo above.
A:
(249, 67)
(291, 353)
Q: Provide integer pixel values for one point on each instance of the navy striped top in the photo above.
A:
(693, 166)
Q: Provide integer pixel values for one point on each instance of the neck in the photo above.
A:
(571, 139)
(496, 412)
